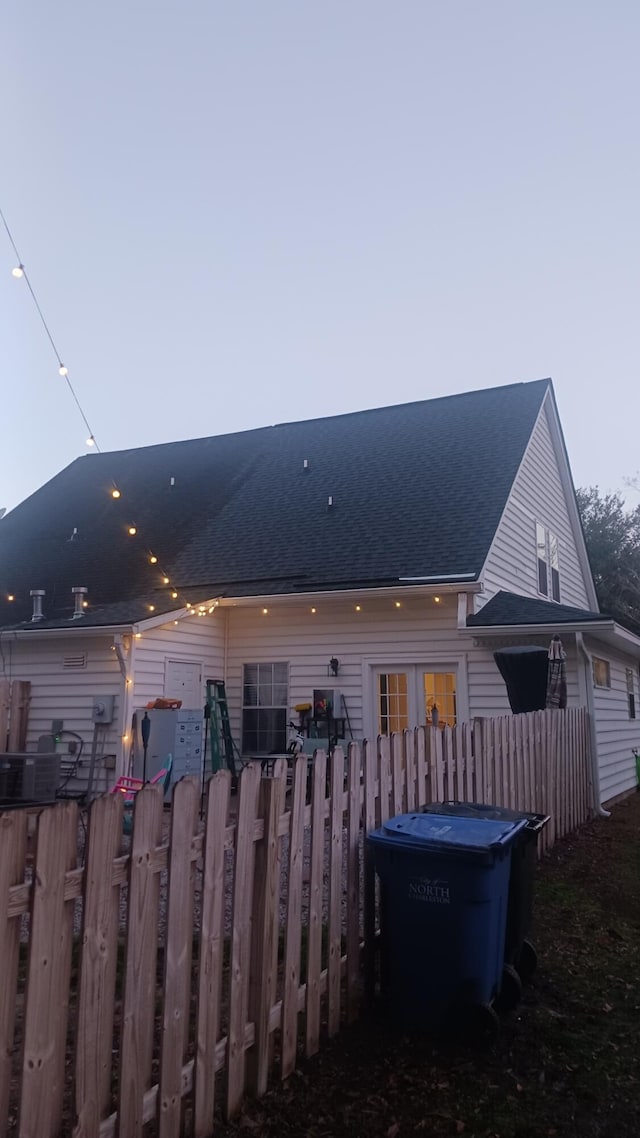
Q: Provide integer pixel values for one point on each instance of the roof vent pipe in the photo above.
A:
(79, 593)
(37, 595)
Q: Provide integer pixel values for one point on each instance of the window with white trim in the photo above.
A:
(265, 698)
(548, 563)
(601, 672)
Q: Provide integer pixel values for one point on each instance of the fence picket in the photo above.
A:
(353, 880)
(140, 963)
(397, 776)
(5, 699)
(13, 849)
(409, 743)
(249, 785)
(423, 792)
(437, 756)
(335, 891)
(211, 951)
(48, 975)
(177, 961)
(314, 932)
(370, 767)
(264, 932)
(293, 930)
(98, 964)
(383, 801)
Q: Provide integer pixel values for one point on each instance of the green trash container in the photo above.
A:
(520, 957)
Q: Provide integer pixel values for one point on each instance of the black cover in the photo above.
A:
(524, 671)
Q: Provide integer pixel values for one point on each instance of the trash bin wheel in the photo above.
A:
(527, 961)
(510, 990)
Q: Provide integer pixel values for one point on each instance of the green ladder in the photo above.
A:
(224, 753)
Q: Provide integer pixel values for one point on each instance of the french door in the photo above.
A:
(413, 695)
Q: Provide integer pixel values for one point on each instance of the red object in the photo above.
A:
(164, 704)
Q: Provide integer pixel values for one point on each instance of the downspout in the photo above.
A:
(123, 651)
(591, 708)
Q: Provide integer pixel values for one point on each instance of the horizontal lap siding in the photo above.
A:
(198, 638)
(616, 733)
(417, 632)
(67, 694)
(537, 495)
(487, 690)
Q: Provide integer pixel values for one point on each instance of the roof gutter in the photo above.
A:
(588, 626)
(595, 770)
(61, 630)
(423, 589)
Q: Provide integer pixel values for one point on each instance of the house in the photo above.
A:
(381, 556)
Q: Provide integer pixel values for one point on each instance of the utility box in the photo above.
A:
(102, 709)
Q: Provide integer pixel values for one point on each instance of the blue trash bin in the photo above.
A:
(444, 891)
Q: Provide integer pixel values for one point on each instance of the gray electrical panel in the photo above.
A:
(178, 733)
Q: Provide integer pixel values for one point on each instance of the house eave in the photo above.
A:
(426, 590)
(606, 631)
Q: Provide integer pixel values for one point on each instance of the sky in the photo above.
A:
(244, 213)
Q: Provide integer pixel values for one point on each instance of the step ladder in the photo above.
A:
(224, 752)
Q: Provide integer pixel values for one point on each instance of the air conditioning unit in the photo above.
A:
(29, 778)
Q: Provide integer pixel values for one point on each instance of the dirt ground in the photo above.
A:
(566, 1062)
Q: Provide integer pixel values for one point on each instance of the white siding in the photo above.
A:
(616, 733)
(67, 694)
(418, 632)
(199, 639)
(537, 495)
(487, 690)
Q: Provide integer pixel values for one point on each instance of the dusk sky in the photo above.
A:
(236, 214)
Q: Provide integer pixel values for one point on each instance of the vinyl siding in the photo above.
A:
(537, 495)
(616, 733)
(68, 694)
(419, 632)
(197, 639)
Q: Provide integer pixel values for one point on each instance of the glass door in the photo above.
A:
(414, 696)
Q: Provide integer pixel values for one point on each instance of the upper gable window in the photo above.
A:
(548, 562)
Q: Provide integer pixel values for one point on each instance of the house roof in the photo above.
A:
(417, 491)
(509, 608)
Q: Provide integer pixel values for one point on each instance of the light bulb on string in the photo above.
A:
(91, 442)
(153, 560)
(132, 531)
(18, 271)
(115, 493)
(62, 370)
(165, 580)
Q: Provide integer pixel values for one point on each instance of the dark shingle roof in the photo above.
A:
(418, 490)
(509, 608)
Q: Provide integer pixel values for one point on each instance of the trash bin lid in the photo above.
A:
(447, 834)
(535, 822)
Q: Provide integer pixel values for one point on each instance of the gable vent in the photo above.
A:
(78, 661)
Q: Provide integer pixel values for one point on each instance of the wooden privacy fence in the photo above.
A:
(170, 974)
(15, 697)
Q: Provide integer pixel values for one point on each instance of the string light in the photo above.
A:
(132, 531)
(175, 596)
(165, 580)
(91, 442)
(85, 604)
(436, 600)
(313, 610)
(19, 271)
(265, 611)
(11, 597)
(358, 608)
(152, 608)
(115, 493)
(153, 560)
(398, 604)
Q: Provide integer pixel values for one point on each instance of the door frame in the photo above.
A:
(398, 662)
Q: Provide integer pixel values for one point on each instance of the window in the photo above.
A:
(440, 696)
(601, 673)
(548, 561)
(393, 702)
(631, 695)
(265, 697)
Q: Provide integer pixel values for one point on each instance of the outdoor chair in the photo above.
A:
(129, 787)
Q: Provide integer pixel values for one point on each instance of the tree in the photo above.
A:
(612, 534)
